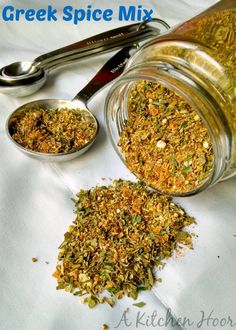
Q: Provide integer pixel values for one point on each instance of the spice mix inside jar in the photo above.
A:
(172, 115)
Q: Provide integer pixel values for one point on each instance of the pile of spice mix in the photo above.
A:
(120, 233)
(53, 130)
(164, 141)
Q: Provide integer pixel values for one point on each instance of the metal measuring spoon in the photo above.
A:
(25, 78)
(111, 70)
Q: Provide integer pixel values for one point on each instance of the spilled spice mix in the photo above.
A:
(105, 327)
(53, 130)
(120, 233)
(164, 141)
(140, 304)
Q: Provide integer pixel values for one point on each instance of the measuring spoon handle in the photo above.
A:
(111, 70)
(92, 43)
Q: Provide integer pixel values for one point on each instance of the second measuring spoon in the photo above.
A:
(110, 71)
(24, 78)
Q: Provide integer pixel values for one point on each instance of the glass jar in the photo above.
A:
(197, 61)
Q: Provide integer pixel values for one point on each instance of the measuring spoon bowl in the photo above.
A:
(19, 70)
(110, 71)
(46, 105)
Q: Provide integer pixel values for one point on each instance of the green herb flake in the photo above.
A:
(139, 304)
(91, 303)
(186, 170)
(78, 293)
(137, 218)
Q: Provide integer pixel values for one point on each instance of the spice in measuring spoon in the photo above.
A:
(120, 233)
(53, 130)
(164, 141)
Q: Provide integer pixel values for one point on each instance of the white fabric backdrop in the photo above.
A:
(35, 206)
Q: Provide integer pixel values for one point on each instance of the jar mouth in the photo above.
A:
(170, 77)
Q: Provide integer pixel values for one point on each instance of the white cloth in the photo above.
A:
(35, 205)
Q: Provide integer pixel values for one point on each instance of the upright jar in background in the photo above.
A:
(197, 60)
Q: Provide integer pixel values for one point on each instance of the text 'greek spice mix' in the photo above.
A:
(120, 233)
(164, 141)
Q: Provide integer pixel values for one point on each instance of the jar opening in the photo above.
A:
(164, 135)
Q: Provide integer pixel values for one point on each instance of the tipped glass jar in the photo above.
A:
(172, 115)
